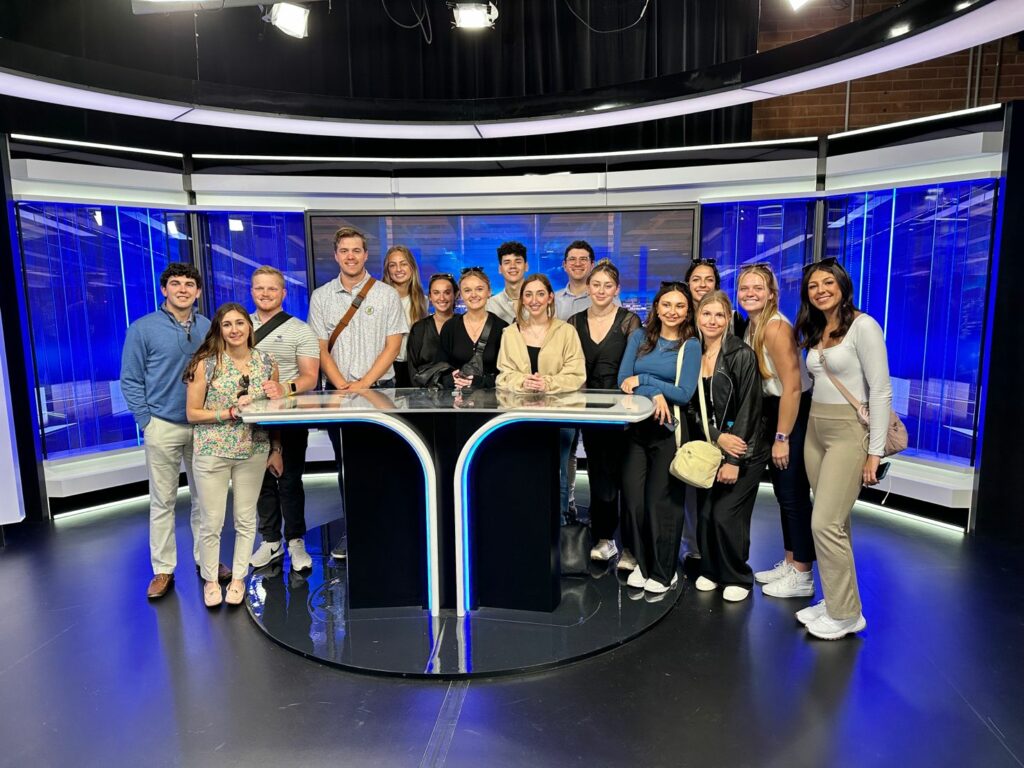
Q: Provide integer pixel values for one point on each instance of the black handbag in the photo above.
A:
(574, 543)
(429, 376)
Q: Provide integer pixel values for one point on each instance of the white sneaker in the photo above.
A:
(704, 584)
(626, 561)
(301, 561)
(827, 628)
(636, 579)
(812, 612)
(652, 585)
(266, 553)
(776, 572)
(793, 584)
(735, 594)
(605, 550)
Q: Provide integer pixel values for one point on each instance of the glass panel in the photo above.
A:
(237, 243)
(647, 246)
(919, 258)
(780, 232)
(90, 271)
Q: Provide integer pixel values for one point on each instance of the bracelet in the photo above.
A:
(216, 415)
(275, 449)
(231, 413)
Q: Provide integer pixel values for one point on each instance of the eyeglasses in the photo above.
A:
(244, 383)
(442, 276)
(467, 270)
(829, 262)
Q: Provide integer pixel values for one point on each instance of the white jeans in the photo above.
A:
(213, 474)
(168, 445)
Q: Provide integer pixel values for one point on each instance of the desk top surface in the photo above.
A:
(602, 405)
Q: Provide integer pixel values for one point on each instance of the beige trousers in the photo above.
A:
(168, 445)
(213, 474)
(834, 454)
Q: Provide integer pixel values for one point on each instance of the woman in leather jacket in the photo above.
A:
(731, 387)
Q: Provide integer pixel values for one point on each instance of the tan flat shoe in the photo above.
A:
(211, 594)
(235, 593)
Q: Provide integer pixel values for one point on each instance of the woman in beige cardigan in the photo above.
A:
(540, 353)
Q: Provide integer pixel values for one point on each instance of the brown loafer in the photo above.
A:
(223, 573)
(160, 585)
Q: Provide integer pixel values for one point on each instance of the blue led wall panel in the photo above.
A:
(90, 271)
(647, 246)
(236, 244)
(780, 232)
(919, 257)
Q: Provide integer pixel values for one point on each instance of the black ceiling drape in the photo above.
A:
(537, 48)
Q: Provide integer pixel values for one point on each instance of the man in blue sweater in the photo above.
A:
(157, 348)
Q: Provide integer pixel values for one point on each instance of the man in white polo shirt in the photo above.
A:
(359, 323)
(297, 353)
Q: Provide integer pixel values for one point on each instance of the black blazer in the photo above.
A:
(424, 343)
(736, 398)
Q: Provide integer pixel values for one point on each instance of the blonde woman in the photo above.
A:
(470, 342)
(226, 374)
(786, 404)
(540, 353)
(403, 274)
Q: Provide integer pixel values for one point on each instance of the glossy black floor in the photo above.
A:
(92, 674)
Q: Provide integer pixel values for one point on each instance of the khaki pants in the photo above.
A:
(168, 445)
(213, 474)
(834, 454)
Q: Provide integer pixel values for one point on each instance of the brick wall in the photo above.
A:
(928, 88)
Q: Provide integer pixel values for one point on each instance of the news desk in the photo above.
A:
(451, 498)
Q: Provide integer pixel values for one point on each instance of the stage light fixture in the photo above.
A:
(798, 4)
(172, 228)
(291, 19)
(97, 216)
(474, 15)
(236, 225)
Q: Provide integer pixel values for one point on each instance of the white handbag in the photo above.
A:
(697, 461)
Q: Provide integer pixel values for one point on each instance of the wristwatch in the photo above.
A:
(781, 437)
(291, 389)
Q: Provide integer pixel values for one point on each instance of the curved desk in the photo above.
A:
(417, 416)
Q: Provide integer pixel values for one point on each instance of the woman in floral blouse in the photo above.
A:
(225, 374)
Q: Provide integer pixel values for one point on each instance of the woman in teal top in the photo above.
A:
(653, 499)
(225, 374)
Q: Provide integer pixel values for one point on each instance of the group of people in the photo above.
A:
(185, 379)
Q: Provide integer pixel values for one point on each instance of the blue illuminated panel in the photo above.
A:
(90, 271)
(647, 246)
(237, 243)
(919, 257)
(780, 232)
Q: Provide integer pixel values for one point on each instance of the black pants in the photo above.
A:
(284, 497)
(334, 435)
(792, 489)
(723, 527)
(402, 377)
(604, 447)
(653, 500)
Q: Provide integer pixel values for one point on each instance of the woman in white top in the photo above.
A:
(786, 405)
(402, 274)
(840, 453)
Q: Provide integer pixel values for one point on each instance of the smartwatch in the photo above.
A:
(781, 437)
(291, 389)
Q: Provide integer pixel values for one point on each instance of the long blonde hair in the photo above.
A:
(771, 306)
(417, 301)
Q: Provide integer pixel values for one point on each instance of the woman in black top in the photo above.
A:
(425, 334)
(603, 330)
(460, 335)
(703, 277)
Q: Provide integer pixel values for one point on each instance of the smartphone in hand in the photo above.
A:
(883, 470)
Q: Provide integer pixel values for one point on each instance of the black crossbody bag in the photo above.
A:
(272, 325)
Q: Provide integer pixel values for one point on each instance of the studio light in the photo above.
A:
(236, 225)
(798, 4)
(291, 19)
(172, 228)
(97, 216)
(474, 15)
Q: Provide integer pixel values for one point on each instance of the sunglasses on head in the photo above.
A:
(244, 384)
(829, 262)
(701, 260)
(677, 284)
(466, 270)
(441, 276)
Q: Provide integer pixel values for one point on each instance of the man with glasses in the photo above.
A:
(512, 266)
(577, 263)
(296, 351)
(157, 348)
(359, 322)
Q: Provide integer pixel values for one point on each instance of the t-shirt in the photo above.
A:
(286, 343)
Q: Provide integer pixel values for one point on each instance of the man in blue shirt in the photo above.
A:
(157, 348)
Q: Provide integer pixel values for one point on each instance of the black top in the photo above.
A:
(534, 353)
(457, 348)
(424, 342)
(603, 359)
